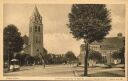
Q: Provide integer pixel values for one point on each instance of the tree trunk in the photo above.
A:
(8, 58)
(85, 60)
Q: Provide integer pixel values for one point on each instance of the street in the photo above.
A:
(48, 71)
(66, 71)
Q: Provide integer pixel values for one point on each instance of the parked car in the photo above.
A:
(14, 65)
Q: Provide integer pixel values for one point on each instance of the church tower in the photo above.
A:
(36, 34)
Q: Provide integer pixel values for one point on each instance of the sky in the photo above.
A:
(57, 38)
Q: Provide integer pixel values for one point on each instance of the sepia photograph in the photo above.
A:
(64, 40)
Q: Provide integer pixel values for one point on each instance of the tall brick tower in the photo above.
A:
(36, 34)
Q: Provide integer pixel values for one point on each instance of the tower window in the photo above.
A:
(37, 49)
(37, 39)
(35, 28)
(39, 29)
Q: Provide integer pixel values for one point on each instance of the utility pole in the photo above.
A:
(86, 59)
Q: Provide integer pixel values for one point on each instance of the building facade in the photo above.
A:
(106, 47)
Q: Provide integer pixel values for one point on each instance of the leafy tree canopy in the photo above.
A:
(89, 21)
(119, 54)
(13, 41)
(70, 56)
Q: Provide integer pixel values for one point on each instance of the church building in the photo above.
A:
(34, 45)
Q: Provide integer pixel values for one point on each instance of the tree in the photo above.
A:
(13, 41)
(115, 55)
(119, 54)
(94, 56)
(122, 54)
(70, 56)
(90, 22)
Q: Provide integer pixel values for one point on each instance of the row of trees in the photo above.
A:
(68, 57)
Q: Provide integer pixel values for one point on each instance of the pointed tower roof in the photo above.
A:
(35, 17)
(35, 11)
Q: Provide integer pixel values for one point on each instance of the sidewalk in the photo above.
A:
(100, 72)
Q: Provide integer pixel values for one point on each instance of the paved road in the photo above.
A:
(66, 71)
(40, 71)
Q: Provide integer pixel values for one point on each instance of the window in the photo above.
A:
(35, 28)
(37, 39)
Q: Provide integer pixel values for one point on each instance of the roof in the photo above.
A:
(35, 12)
(112, 43)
